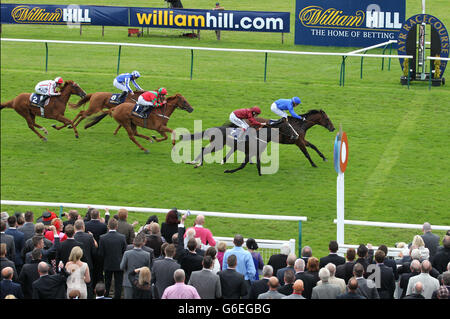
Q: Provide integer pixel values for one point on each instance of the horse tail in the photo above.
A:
(80, 102)
(8, 104)
(97, 119)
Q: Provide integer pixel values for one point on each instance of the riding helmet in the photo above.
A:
(59, 80)
(256, 110)
(296, 100)
(162, 91)
(135, 74)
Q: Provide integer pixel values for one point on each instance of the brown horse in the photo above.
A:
(157, 120)
(97, 102)
(54, 110)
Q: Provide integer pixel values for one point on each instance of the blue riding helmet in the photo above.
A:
(135, 74)
(296, 100)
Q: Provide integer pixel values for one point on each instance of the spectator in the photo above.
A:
(245, 264)
(4, 216)
(100, 291)
(150, 220)
(50, 286)
(90, 249)
(232, 282)
(278, 261)
(20, 219)
(28, 227)
(404, 254)
(218, 7)
(429, 283)
(189, 234)
(306, 253)
(312, 268)
(19, 241)
(39, 230)
(308, 281)
(288, 279)
(404, 278)
(389, 262)
(442, 257)
(79, 272)
(333, 257)
(188, 258)
(58, 225)
(111, 247)
(141, 286)
(205, 281)
(221, 248)
(124, 228)
(262, 285)
(290, 261)
(420, 244)
(203, 233)
(212, 252)
(326, 290)
(46, 254)
(333, 280)
(297, 290)
(5, 262)
(154, 240)
(352, 291)
(345, 271)
(29, 273)
(163, 251)
(387, 281)
(180, 290)
(7, 286)
(445, 284)
(443, 293)
(9, 241)
(365, 256)
(431, 240)
(66, 247)
(164, 269)
(72, 217)
(170, 226)
(273, 290)
(417, 292)
(366, 287)
(47, 218)
(135, 258)
(252, 246)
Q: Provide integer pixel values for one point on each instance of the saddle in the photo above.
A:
(35, 100)
(115, 99)
(140, 112)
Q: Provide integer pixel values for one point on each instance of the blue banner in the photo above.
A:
(146, 17)
(349, 23)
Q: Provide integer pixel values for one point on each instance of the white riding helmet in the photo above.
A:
(135, 74)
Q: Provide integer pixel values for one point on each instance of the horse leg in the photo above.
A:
(301, 145)
(131, 133)
(66, 122)
(117, 129)
(142, 136)
(205, 150)
(241, 166)
(32, 124)
(308, 144)
(41, 128)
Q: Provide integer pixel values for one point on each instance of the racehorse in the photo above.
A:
(312, 118)
(53, 110)
(97, 102)
(157, 120)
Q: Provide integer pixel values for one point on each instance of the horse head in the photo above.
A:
(180, 102)
(321, 118)
(73, 88)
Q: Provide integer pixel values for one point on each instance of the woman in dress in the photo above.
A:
(420, 244)
(140, 279)
(79, 273)
(257, 258)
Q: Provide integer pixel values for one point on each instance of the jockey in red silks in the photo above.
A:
(237, 117)
(149, 100)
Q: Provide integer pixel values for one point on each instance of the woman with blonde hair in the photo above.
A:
(420, 244)
(141, 279)
(79, 273)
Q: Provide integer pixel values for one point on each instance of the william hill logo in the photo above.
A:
(26, 14)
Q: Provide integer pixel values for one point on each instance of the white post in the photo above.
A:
(340, 209)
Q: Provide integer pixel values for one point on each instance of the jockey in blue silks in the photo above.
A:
(281, 105)
(122, 82)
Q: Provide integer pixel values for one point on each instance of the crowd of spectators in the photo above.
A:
(103, 257)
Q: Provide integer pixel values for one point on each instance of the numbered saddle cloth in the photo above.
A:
(36, 99)
(115, 99)
(140, 111)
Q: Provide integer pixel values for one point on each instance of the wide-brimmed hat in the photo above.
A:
(47, 218)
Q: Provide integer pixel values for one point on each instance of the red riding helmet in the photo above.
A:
(162, 91)
(59, 80)
(256, 110)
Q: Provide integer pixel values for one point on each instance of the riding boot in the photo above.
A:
(276, 122)
(42, 101)
(122, 96)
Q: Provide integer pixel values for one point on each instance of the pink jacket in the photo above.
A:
(204, 234)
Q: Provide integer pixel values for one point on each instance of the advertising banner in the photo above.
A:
(349, 23)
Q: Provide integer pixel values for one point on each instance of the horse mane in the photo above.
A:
(66, 84)
(311, 112)
(173, 97)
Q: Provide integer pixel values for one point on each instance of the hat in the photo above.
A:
(47, 217)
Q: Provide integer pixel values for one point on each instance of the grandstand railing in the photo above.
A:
(268, 246)
(192, 48)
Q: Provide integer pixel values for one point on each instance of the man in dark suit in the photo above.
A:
(47, 254)
(123, 227)
(308, 280)
(9, 241)
(19, 241)
(5, 262)
(188, 258)
(389, 262)
(278, 261)
(89, 251)
(232, 283)
(333, 256)
(404, 278)
(30, 274)
(290, 261)
(366, 287)
(262, 285)
(68, 244)
(111, 247)
(442, 257)
(289, 279)
(431, 240)
(7, 286)
(385, 275)
(39, 229)
(28, 227)
(50, 286)
(345, 271)
(163, 269)
(365, 256)
(352, 291)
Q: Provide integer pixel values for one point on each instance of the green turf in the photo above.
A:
(398, 138)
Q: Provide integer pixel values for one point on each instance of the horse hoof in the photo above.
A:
(146, 151)
(54, 125)
(325, 160)
(70, 126)
(227, 171)
(44, 140)
(314, 165)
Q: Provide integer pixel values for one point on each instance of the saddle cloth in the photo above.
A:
(115, 99)
(35, 99)
(137, 111)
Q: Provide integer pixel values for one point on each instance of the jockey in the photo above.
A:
(237, 117)
(149, 100)
(122, 82)
(161, 94)
(279, 106)
(48, 88)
